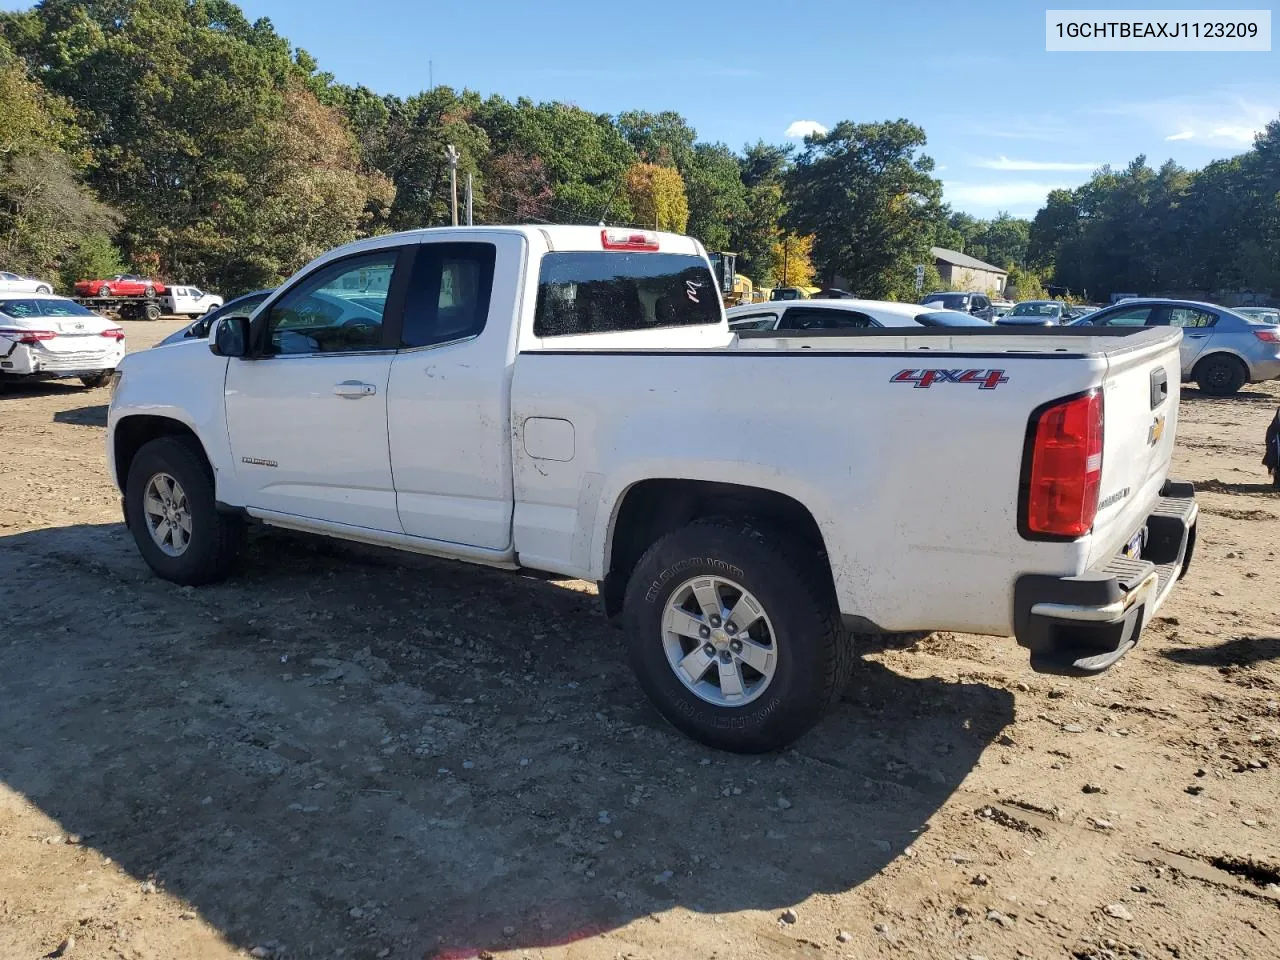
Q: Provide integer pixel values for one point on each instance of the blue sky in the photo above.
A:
(1006, 120)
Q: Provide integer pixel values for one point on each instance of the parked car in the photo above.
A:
(1265, 314)
(1001, 307)
(1035, 313)
(1077, 311)
(1221, 350)
(189, 301)
(844, 315)
(121, 285)
(17, 283)
(500, 408)
(45, 337)
(788, 293)
(198, 329)
(964, 301)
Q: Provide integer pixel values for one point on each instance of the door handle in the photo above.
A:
(354, 389)
(1196, 336)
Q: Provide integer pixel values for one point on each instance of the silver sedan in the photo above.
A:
(1221, 350)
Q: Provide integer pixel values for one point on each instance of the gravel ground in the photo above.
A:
(344, 752)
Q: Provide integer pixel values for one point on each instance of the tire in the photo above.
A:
(812, 655)
(214, 538)
(210, 308)
(149, 290)
(151, 312)
(1221, 375)
(44, 288)
(99, 379)
(104, 291)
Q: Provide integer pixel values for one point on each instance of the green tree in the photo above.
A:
(866, 193)
(662, 138)
(717, 196)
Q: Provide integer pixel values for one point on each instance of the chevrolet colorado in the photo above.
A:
(571, 400)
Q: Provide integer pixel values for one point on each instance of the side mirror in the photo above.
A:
(230, 337)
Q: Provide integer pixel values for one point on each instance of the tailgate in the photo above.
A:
(1140, 410)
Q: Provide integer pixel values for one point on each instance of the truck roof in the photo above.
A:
(555, 237)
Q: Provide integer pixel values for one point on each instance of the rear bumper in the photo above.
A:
(1077, 626)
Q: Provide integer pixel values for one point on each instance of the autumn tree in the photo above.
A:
(657, 197)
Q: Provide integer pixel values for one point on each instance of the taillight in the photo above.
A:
(1065, 469)
(27, 336)
(115, 333)
(1270, 335)
(629, 240)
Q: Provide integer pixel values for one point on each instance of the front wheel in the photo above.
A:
(1221, 375)
(44, 288)
(172, 515)
(734, 634)
(99, 379)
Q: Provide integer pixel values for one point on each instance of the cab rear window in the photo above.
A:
(608, 292)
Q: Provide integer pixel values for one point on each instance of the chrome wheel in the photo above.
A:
(168, 514)
(719, 641)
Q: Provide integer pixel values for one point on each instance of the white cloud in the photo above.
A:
(1010, 195)
(803, 128)
(1004, 163)
(1227, 118)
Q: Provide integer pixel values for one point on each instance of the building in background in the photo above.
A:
(959, 271)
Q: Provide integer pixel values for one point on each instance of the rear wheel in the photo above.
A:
(151, 312)
(734, 634)
(173, 517)
(44, 288)
(104, 291)
(1221, 374)
(99, 379)
(149, 290)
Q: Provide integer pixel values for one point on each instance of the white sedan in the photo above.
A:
(16, 283)
(43, 337)
(844, 315)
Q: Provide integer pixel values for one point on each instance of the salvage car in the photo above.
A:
(572, 400)
(17, 283)
(844, 315)
(1221, 350)
(44, 337)
(121, 285)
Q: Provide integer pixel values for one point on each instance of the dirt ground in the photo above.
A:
(347, 753)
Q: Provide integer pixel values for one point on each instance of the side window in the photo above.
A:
(337, 309)
(807, 318)
(1190, 317)
(1128, 317)
(754, 321)
(448, 297)
(193, 292)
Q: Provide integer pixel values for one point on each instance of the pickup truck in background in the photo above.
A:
(571, 400)
(189, 301)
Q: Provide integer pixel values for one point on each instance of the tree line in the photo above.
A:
(175, 137)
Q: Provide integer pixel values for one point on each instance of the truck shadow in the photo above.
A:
(94, 416)
(341, 748)
(1237, 652)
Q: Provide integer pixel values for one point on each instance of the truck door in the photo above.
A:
(308, 422)
(449, 402)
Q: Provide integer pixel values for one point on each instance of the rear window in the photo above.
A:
(605, 292)
(950, 301)
(20, 309)
(950, 318)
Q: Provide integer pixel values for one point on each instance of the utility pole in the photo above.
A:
(469, 198)
(451, 153)
(786, 249)
(431, 75)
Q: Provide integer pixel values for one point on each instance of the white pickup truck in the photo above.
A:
(571, 400)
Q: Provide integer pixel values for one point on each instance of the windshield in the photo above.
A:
(1037, 309)
(21, 309)
(950, 301)
(949, 318)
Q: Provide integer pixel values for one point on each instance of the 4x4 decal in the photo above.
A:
(924, 379)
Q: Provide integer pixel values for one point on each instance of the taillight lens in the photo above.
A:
(1270, 335)
(27, 336)
(115, 333)
(629, 240)
(1066, 468)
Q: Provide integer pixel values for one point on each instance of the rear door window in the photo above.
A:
(811, 318)
(608, 292)
(449, 294)
(754, 321)
(1190, 317)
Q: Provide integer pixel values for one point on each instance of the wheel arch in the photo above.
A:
(651, 508)
(1215, 354)
(133, 432)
